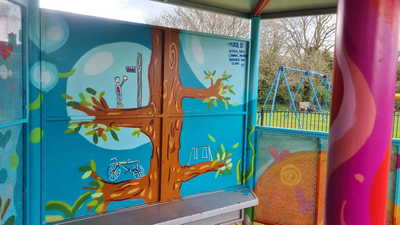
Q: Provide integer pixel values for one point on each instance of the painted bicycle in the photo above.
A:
(114, 169)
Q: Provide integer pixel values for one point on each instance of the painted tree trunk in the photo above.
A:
(164, 165)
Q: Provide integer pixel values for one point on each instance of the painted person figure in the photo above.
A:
(118, 90)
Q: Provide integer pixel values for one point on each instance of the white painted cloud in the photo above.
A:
(3, 72)
(98, 63)
(54, 33)
(197, 50)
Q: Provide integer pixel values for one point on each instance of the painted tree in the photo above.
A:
(166, 96)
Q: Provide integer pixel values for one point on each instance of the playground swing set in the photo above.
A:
(306, 74)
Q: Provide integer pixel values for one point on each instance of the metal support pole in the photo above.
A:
(365, 67)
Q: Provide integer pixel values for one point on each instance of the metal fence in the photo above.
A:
(317, 121)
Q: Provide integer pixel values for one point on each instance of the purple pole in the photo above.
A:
(365, 67)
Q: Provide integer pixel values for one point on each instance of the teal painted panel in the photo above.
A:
(11, 63)
(11, 174)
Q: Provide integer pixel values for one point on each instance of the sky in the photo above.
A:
(127, 10)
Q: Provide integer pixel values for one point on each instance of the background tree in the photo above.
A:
(201, 21)
(302, 42)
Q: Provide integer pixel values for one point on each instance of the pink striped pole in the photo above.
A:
(364, 83)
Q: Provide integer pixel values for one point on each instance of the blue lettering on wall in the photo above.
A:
(237, 54)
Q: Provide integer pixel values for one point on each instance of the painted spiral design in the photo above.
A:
(290, 175)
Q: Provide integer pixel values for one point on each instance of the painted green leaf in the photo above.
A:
(214, 162)
(102, 94)
(222, 147)
(88, 98)
(60, 206)
(205, 73)
(230, 91)
(66, 75)
(227, 98)
(209, 105)
(228, 161)
(68, 131)
(91, 132)
(67, 97)
(226, 105)
(229, 171)
(229, 155)
(5, 208)
(238, 173)
(84, 168)
(108, 129)
(211, 138)
(36, 135)
(51, 218)
(100, 200)
(206, 100)
(100, 182)
(236, 145)
(96, 195)
(214, 72)
(97, 96)
(207, 77)
(221, 100)
(215, 103)
(14, 161)
(221, 85)
(93, 165)
(77, 129)
(216, 174)
(223, 173)
(222, 168)
(95, 139)
(104, 137)
(102, 126)
(116, 128)
(136, 132)
(85, 103)
(223, 92)
(82, 96)
(223, 156)
(10, 220)
(87, 125)
(218, 157)
(235, 104)
(219, 150)
(86, 174)
(91, 91)
(72, 104)
(72, 126)
(114, 135)
(37, 103)
(99, 207)
(92, 203)
(79, 203)
(226, 152)
(94, 184)
(229, 165)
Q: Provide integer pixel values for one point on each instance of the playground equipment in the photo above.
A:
(206, 155)
(275, 84)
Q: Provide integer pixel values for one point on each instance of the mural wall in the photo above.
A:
(291, 180)
(11, 112)
(135, 114)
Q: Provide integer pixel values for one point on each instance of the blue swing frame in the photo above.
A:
(275, 84)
